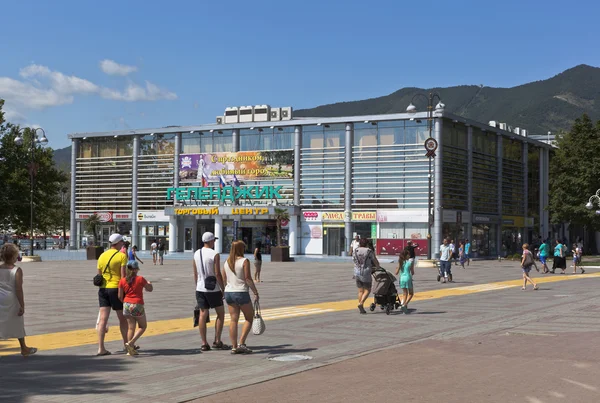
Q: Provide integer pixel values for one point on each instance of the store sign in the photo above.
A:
(482, 219)
(249, 211)
(226, 193)
(311, 216)
(151, 216)
(197, 211)
(403, 215)
(105, 216)
(333, 216)
(364, 216)
(238, 166)
(122, 216)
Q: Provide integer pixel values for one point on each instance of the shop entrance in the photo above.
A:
(333, 240)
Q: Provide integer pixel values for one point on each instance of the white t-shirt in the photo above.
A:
(444, 252)
(153, 247)
(208, 255)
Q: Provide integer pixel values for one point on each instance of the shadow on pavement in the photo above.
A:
(71, 375)
(280, 349)
(170, 352)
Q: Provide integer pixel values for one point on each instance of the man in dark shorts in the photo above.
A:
(111, 265)
(206, 265)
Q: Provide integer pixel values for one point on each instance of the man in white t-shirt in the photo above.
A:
(445, 265)
(209, 289)
(354, 245)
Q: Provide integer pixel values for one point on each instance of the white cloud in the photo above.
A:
(113, 68)
(42, 87)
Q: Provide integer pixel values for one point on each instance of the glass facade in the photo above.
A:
(513, 189)
(533, 189)
(455, 165)
(155, 171)
(390, 169)
(485, 172)
(207, 141)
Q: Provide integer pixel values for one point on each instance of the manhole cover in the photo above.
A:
(290, 357)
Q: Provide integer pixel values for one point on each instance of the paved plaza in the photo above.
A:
(480, 339)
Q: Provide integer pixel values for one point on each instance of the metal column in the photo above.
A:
(236, 140)
(348, 188)
(470, 181)
(134, 191)
(525, 159)
(499, 155)
(297, 156)
(73, 241)
(173, 221)
(438, 213)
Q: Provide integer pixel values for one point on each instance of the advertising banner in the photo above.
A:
(395, 246)
(364, 216)
(236, 167)
(333, 216)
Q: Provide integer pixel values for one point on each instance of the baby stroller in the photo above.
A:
(384, 290)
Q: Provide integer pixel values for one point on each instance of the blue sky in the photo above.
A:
(202, 56)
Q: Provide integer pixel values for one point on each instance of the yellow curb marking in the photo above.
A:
(74, 338)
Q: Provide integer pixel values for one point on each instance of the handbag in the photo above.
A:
(528, 260)
(210, 282)
(99, 278)
(258, 325)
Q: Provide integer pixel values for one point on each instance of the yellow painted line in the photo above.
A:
(74, 338)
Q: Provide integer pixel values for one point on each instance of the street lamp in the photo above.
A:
(596, 198)
(63, 199)
(430, 145)
(35, 141)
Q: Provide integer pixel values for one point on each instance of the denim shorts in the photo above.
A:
(237, 298)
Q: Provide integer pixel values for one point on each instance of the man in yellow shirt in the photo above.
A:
(111, 265)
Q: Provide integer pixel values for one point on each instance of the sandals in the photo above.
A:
(205, 347)
(32, 351)
(220, 346)
(103, 354)
(536, 288)
(241, 349)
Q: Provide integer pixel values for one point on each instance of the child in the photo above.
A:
(406, 284)
(131, 293)
(577, 258)
(526, 262)
(12, 307)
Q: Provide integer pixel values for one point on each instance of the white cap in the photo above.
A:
(208, 236)
(115, 238)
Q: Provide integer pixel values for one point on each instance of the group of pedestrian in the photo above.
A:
(559, 258)
(365, 262)
(122, 291)
(158, 250)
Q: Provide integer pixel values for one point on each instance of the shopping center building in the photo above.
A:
(336, 177)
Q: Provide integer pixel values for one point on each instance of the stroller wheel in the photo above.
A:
(438, 277)
(372, 307)
(397, 305)
(388, 309)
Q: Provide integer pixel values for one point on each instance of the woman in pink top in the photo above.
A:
(238, 279)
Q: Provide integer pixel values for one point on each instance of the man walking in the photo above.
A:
(161, 252)
(209, 289)
(445, 264)
(111, 265)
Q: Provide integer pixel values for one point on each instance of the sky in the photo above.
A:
(83, 66)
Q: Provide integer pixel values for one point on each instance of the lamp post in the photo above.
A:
(430, 145)
(63, 199)
(594, 198)
(35, 141)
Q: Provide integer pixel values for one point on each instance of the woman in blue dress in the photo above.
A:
(406, 284)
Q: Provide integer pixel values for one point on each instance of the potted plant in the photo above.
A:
(280, 253)
(91, 225)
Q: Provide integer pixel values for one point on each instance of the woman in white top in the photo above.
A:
(12, 301)
(238, 279)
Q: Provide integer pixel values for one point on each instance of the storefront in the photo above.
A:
(455, 225)
(110, 222)
(397, 227)
(513, 228)
(152, 226)
(484, 242)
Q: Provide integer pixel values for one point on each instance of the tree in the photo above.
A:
(575, 175)
(280, 215)
(15, 194)
(91, 225)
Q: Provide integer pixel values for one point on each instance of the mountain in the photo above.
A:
(540, 106)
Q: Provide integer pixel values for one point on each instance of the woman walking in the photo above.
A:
(238, 279)
(154, 251)
(133, 254)
(131, 293)
(577, 258)
(364, 260)
(526, 263)
(257, 262)
(462, 257)
(406, 284)
(12, 300)
(559, 258)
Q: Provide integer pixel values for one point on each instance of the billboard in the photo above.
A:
(244, 165)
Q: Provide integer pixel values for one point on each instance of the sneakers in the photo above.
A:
(404, 308)
(241, 349)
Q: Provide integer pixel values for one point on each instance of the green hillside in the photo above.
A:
(539, 107)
